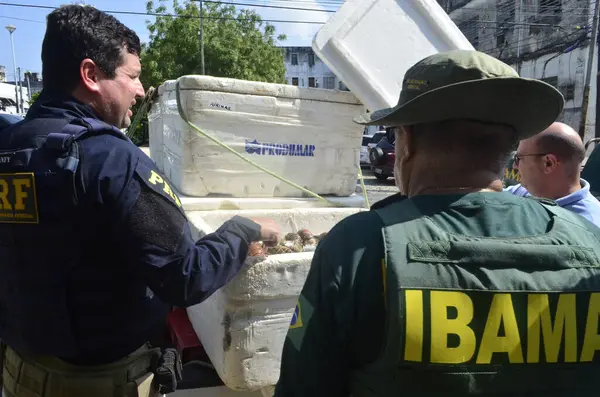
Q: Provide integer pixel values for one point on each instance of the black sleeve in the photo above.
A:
(149, 223)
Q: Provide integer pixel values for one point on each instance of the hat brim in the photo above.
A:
(528, 105)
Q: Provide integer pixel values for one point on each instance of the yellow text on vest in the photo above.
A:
(18, 200)
(511, 173)
(491, 327)
(156, 179)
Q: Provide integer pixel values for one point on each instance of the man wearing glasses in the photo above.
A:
(550, 167)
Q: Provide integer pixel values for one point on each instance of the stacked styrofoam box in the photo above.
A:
(305, 135)
(243, 325)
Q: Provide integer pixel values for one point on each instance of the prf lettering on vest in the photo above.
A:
(18, 200)
(156, 180)
(490, 327)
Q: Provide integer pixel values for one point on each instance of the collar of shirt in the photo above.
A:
(519, 190)
(575, 196)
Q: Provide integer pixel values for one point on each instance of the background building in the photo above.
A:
(543, 39)
(305, 69)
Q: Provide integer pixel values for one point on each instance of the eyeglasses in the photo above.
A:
(517, 157)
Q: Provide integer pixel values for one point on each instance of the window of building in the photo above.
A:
(500, 38)
(553, 81)
(569, 91)
(295, 81)
(343, 87)
(550, 7)
(294, 58)
(311, 82)
(329, 82)
(311, 59)
(550, 11)
(470, 29)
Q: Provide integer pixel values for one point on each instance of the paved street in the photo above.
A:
(377, 190)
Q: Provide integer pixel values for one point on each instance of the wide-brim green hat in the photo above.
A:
(471, 85)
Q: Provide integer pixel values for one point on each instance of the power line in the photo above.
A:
(166, 15)
(21, 19)
(268, 6)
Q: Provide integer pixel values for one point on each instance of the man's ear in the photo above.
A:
(550, 163)
(407, 138)
(89, 73)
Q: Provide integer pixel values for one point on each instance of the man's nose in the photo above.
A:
(140, 92)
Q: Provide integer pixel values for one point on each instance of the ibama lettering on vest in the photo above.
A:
(491, 327)
(18, 199)
(512, 174)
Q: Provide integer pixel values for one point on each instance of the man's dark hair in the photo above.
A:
(77, 32)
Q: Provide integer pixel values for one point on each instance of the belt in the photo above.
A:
(144, 371)
(45, 376)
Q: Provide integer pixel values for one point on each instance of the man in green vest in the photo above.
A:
(458, 288)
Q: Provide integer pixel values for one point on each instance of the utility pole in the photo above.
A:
(21, 91)
(27, 78)
(201, 41)
(588, 75)
(519, 17)
(11, 29)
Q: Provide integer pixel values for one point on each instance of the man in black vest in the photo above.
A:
(95, 246)
(453, 288)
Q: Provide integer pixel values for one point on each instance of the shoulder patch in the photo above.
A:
(297, 317)
(157, 183)
(18, 199)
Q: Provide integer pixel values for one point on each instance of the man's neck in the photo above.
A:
(479, 182)
(562, 190)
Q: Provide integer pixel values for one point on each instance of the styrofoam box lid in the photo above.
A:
(221, 84)
(370, 44)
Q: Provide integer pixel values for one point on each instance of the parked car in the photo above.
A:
(364, 150)
(378, 136)
(7, 119)
(382, 156)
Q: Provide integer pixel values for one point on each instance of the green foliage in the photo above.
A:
(33, 98)
(237, 44)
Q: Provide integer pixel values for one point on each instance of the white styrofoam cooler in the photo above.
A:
(370, 44)
(243, 325)
(305, 135)
(249, 203)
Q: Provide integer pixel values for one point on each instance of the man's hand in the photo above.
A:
(269, 231)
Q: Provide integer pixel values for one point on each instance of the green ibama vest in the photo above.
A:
(487, 316)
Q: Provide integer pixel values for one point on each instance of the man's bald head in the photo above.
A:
(550, 162)
(562, 141)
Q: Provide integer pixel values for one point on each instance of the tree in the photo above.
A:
(237, 44)
(33, 98)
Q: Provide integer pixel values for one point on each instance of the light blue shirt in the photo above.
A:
(581, 202)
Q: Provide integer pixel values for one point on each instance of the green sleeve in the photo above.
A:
(313, 361)
(338, 307)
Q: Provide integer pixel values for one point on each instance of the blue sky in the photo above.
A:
(30, 24)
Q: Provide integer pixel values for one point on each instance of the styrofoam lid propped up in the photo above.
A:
(235, 86)
(370, 44)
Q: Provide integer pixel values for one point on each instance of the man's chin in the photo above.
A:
(125, 123)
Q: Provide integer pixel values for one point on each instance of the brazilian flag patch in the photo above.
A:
(296, 317)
